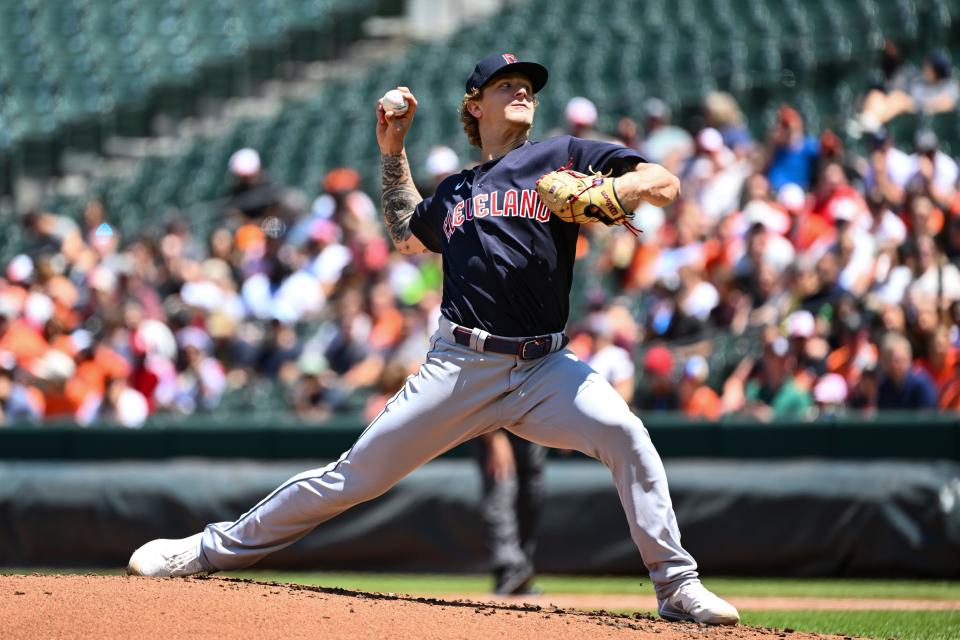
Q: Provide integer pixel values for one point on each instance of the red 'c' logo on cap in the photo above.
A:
(509, 57)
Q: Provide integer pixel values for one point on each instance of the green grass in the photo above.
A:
(784, 587)
(905, 625)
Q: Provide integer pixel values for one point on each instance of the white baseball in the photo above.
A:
(393, 101)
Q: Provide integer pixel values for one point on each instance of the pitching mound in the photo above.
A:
(108, 607)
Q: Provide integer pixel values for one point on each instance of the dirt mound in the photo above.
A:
(40, 606)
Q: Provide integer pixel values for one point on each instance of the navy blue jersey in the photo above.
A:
(507, 262)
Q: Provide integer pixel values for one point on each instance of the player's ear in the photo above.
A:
(474, 109)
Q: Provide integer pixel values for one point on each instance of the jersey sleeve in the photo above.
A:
(602, 156)
(426, 224)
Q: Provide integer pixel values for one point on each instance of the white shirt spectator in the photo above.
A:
(613, 363)
(892, 290)
(716, 189)
(778, 253)
(889, 230)
(201, 388)
(767, 214)
(930, 282)
(671, 260)
(900, 168)
(328, 266)
(297, 296)
(211, 297)
(701, 300)
(665, 142)
(132, 409)
(945, 171)
(860, 263)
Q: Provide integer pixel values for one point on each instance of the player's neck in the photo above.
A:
(499, 146)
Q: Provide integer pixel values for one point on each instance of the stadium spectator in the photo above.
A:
(855, 353)
(834, 197)
(696, 399)
(830, 396)
(658, 392)
(201, 380)
(934, 91)
(580, 119)
(722, 113)
(49, 233)
(935, 281)
(18, 402)
(885, 227)
(831, 248)
(344, 341)
(628, 133)
(940, 360)
(896, 72)
(934, 172)
(760, 205)
(766, 252)
(773, 392)
(612, 362)
(806, 228)
(713, 178)
(792, 154)
(251, 193)
(890, 169)
(663, 142)
(442, 162)
(901, 385)
(807, 346)
(120, 403)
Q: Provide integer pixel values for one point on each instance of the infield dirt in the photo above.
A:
(60, 606)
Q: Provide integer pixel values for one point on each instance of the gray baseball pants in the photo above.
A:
(459, 394)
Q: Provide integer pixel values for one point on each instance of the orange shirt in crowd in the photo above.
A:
(950, 395)
(809, 229)
(842, 360)
(386, 329)
(642, 270)
(65, 401)
(944, 374)
(704, 403)
(582, 345)
(24, 341)
(934, 223)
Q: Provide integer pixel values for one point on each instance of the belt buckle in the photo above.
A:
(539, 347)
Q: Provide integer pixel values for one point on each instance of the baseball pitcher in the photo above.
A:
(507, 231)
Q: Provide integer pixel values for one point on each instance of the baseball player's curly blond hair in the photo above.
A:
(471, 126)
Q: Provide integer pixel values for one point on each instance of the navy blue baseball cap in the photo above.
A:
(501, 63)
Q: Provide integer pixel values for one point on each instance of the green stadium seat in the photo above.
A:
(118, 60)
(683, 49)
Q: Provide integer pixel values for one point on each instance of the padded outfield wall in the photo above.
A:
(831, 499)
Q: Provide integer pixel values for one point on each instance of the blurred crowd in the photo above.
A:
(280, 308)
(837, 265)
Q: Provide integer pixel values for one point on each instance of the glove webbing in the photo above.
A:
(629, 216)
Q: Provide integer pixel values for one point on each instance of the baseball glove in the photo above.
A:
(576, 197)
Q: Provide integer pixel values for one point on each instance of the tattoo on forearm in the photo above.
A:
(400, 196)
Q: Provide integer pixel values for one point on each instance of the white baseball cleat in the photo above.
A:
(695, 603)
(168, 558)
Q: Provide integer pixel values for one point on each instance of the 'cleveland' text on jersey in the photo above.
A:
(510, 204)
(507, 262)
